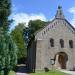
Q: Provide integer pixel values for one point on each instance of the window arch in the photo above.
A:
(62, 43)
(48, 29)
(52, 26)
(70, 43)
(44, 32)
(52, 42)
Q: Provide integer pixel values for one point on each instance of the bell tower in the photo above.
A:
(59, 14)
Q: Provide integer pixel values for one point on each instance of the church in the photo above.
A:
(53, 45)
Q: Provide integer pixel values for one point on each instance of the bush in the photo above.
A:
(46, 69)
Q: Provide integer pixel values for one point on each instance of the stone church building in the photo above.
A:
(53, 45)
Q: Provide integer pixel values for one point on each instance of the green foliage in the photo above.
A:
(36, 25)
(8, 52)
(17, 35)
(21, 33)
(33, 26)
(8, 49)
(5, 6)
(12, 73)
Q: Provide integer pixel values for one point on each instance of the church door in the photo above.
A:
(62, 59)
(62, 62)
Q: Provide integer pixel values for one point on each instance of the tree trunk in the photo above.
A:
(6, 71)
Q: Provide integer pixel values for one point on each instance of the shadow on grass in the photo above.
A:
(22, 69)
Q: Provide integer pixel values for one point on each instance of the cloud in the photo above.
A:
(25, 18)
(72, 10)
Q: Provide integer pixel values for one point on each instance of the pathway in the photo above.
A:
(22, 70)
(22, 74)
(68, 72)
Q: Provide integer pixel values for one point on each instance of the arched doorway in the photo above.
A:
(61, 58)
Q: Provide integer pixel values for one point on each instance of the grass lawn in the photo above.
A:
(42, 73)
(49, 73)
(12, 73)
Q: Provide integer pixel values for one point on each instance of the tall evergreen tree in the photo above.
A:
(8, 49)
(8, 53)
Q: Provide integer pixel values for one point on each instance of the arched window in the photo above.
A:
(44, 32)
(70, 43)
(62, 43)
(52, 42)
(52, 26)
(48, 29)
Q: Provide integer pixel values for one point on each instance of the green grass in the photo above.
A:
(50, 73)
(43, 73)
(12, 73)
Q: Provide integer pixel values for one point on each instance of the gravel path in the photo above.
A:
(68, 72)
(22, 74)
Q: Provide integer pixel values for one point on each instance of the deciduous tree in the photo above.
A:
(33, 26)
(17, 35)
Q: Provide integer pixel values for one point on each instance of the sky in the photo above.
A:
(26, 10)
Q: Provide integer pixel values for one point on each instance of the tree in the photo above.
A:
(17, 35)
(8, 53)
(8, 49)
(5, 6)
(33, 26)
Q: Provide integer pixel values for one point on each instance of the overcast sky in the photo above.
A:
(25, 10)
